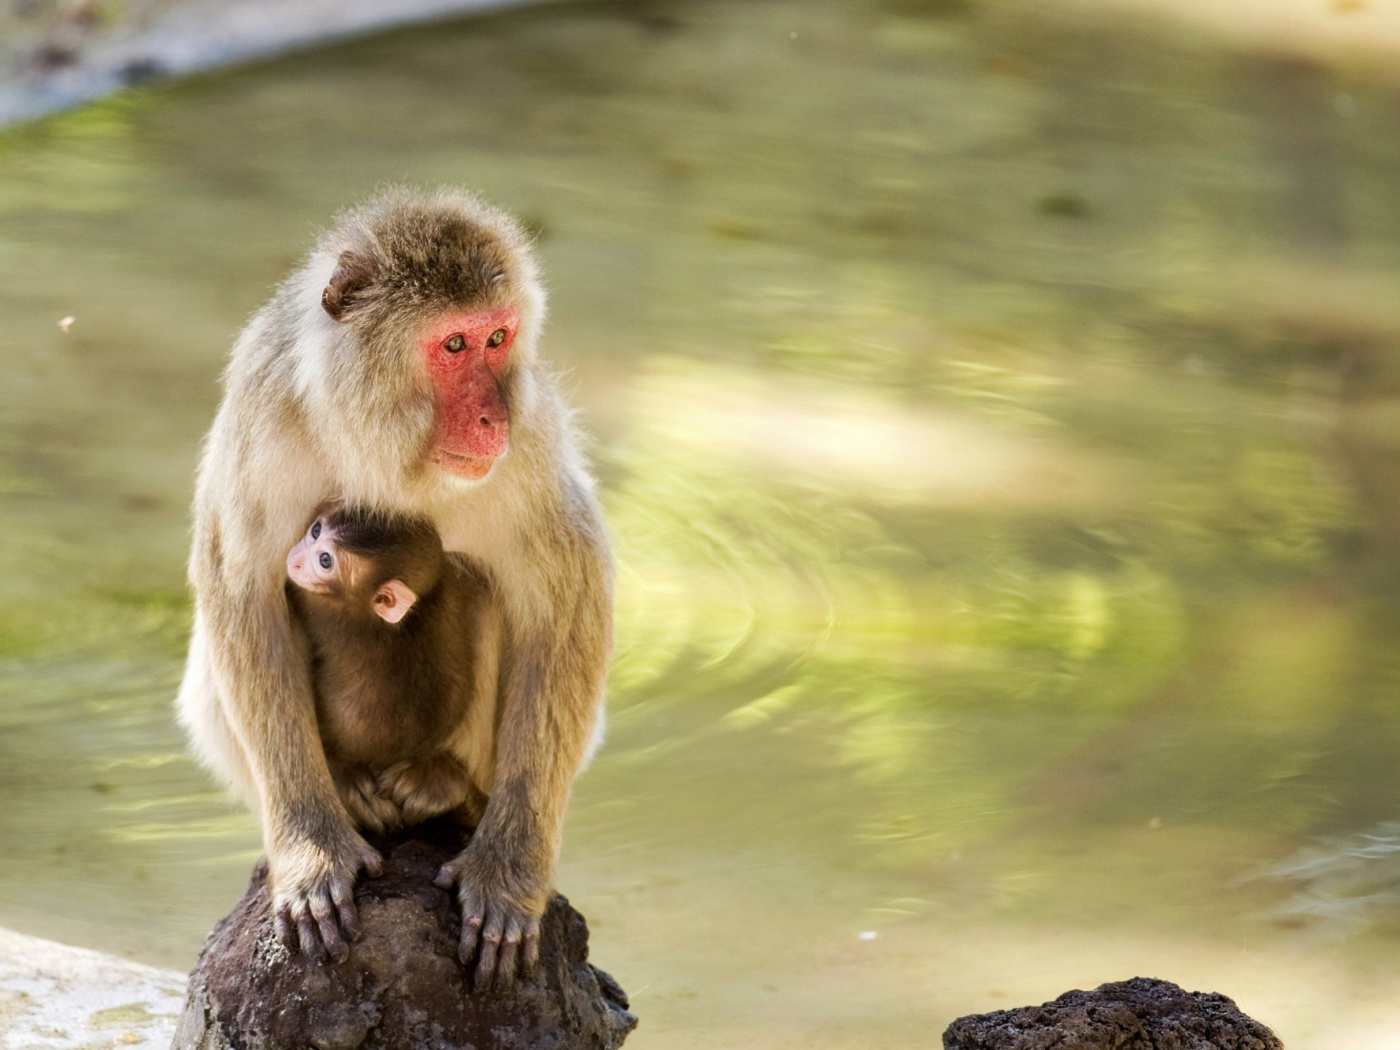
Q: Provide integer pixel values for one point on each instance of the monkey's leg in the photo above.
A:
(552, 692)
(314, 852)
(247, 506)
(201, 712)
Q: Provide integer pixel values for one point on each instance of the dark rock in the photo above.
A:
(140, 71)
(1064, 205)
(52, 56)
(1141, 1014)
(402, 987)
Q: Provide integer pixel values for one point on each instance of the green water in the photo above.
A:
(998, 416)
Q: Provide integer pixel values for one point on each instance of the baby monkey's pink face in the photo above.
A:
(316, 563)
(319, 564)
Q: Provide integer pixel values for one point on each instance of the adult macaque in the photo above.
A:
(396, 370)
(405, 706)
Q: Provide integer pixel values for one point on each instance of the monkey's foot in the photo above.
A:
(422, 790)
(369, 807)
(500, 916)
(313, 902)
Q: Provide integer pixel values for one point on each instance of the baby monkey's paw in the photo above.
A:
(425, 789)
(369, 808)
(313, 901)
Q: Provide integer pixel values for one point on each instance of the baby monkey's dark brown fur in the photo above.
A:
(391, 624)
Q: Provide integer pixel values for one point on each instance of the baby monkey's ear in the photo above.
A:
(393, 600)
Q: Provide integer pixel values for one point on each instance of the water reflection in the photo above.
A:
(996, 423)
(1344, 884)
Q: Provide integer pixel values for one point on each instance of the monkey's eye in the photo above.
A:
(455, 344)
(325, 560)
(316, 530)
(496, 338)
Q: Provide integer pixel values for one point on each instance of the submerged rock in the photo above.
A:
(1140, 1014)
(402, 987)
(56, 55)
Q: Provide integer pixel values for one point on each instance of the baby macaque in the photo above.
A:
(391, 624)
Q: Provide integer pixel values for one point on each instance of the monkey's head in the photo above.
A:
(438, 298)
(364, 564)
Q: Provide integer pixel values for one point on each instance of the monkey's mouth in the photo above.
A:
(473, 467)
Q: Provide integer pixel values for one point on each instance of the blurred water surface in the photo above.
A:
(997, 418)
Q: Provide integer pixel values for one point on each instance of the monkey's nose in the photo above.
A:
(491, 431)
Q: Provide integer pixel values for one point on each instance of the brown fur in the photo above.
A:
(392, 699)
(319, 407)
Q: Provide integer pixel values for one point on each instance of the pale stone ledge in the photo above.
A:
(53, 997)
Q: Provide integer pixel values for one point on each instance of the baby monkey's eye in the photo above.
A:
(455, 344)
(325, 560)
(316, 530)
(496, 338)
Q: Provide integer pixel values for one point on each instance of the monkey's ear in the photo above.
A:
(393, 600)
(353, 273)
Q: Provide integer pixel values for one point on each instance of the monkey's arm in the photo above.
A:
(552, 691)
(253, 490)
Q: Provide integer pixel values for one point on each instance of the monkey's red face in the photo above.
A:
(466, 357)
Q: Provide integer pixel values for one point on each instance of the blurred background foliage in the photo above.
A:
(995, 406)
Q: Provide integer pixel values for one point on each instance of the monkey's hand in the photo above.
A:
(502, 902)
(313, 900)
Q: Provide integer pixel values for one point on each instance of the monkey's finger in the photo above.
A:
(446, 876)
(286, 931)
(473, 918)
(387, 780)
(306, 933)
(491, 938)
(344, 898)
(510, 948)
(530, 948)
(328, 922)
(372, 862)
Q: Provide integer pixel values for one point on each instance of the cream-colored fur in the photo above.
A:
(315, 409)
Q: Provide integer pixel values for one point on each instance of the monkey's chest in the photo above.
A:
(377, 719)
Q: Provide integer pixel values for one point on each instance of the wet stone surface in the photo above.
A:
(402, 987)
(1138, 1014)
